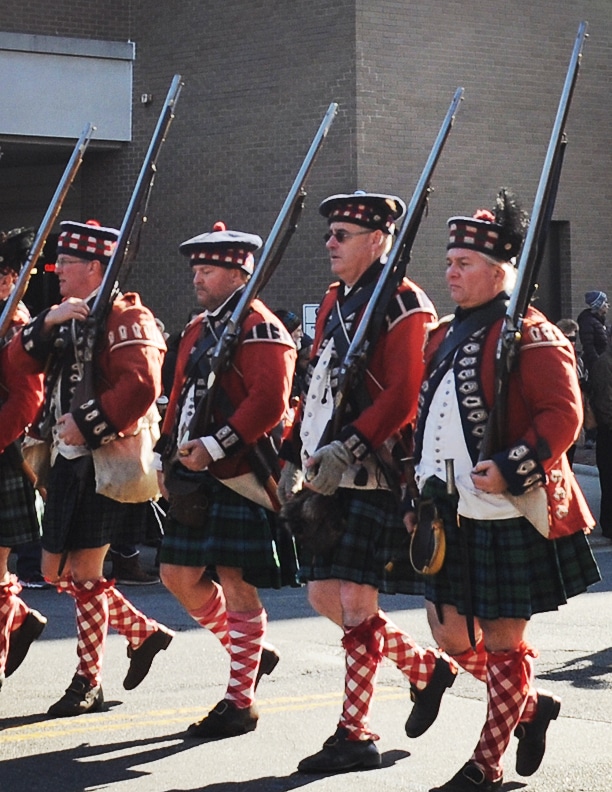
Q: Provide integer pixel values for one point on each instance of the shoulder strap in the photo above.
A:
(458, 332)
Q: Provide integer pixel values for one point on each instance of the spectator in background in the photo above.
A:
(303, 343)
(569, 328)
(593, 339)
(600, 394)
(592, 327)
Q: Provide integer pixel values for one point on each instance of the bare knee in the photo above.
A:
(324, 598)
(178, 579)
(449, 628)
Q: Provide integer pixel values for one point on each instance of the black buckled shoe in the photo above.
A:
(469, 779)
(22, 638)
(224, 720)
(80, 697)
(532, 735)
(339, 754)
(427, 701)
(141, 658)
(267, 664)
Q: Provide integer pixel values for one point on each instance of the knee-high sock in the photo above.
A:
(13, 611)
(246, 633)
(128, 620)
(213, 616)
(475, 663)
(92, 624)
(509, 678)
(415, 662)
(363, 646)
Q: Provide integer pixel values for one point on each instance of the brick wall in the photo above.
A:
(260, 74)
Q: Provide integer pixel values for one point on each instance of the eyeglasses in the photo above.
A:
(341, 235)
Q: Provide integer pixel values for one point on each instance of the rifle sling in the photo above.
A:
(340, 313)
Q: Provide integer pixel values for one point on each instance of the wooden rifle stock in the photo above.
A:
(142, 190)
(53, 210)
(270, 258)
(356, 358)
(530, 258)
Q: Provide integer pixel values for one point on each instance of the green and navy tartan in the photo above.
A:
(18, 515)
(76, 517)
(373, 549)
(236, 533)
(514, 571)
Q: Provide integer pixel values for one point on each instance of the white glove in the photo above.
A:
(290, 482)
(326, 467)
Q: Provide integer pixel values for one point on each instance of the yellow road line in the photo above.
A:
(115, 721)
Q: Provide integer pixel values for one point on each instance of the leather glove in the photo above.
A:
(327, 466)
(290, 482)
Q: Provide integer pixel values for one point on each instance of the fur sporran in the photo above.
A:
(316, 521)
(37, 454)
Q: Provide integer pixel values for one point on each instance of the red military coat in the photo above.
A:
(544, 417)
(395, 369)
(258, 386)
(127, 369)
(21, 390)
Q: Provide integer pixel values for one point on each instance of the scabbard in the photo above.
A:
(466, 580)
(466, 576)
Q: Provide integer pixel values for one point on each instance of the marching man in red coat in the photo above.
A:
(21, 394)
(80, 524)
(217, 492)
(354, 488)
(501, 566)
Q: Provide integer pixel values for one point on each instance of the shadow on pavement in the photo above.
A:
(583, 672)
(73, 769)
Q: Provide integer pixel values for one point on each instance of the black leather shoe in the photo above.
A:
(21, 639)
(80, 697)
(340, 754)
(267, 664)
(141, 658)
(469, 779)
(532, 735)
(225, 720)
(427, 701)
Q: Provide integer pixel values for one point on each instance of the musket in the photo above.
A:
(530, 258)
(136, 208)
(53, 210)
(271, 255)
(94, 324)
(357, 355)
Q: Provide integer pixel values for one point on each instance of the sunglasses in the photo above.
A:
(341, 235)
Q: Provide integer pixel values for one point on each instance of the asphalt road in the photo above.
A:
(136, 744)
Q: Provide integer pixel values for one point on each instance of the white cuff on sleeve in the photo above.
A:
(213, 447)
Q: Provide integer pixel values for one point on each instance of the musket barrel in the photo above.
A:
(542, 209)
(268, 261)
(357, 354)
(53, 210)
(529, 257)
(142, 187)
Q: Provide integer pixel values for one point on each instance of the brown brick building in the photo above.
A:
(259, 74)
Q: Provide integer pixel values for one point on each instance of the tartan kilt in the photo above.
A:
(373, 549)
(76, 517)
(514, 571)
(18, 515)
(235, 533)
